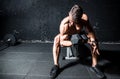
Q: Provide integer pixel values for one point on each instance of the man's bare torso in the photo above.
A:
(67, 29)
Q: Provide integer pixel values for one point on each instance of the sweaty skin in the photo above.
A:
(69, 27)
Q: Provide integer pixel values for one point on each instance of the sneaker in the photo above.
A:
(54, 72)
(98, 73)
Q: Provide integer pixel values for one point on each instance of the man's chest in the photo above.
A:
(74, 29)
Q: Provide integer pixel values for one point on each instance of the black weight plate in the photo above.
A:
(10, 39)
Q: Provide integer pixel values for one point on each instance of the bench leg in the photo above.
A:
(69, 54)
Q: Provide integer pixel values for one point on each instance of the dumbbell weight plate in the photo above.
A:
(10, 39)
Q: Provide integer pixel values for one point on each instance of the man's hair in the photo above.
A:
(76, 12)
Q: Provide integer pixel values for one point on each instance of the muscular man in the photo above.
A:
(73, 24)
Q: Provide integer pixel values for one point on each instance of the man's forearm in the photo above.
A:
(92, 37)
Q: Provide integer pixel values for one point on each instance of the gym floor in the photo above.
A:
(34, 61)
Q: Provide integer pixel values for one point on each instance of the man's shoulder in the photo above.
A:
(65, 20)
(84, 17)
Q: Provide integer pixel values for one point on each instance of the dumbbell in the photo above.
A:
(79, 39)
(10, 39)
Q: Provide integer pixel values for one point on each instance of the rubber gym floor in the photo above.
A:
(34, 61)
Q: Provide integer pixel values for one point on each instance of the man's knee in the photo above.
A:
(61, 44)
(65, 41)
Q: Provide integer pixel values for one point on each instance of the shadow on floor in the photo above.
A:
(109, 60)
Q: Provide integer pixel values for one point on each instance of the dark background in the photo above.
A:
(40, 19)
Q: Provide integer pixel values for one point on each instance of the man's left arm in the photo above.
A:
(92, 39)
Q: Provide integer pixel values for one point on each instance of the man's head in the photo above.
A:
(75, 14)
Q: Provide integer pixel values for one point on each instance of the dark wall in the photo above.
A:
(40, 19)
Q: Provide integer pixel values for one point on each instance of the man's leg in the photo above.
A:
(58, 42)
(56, 50)
(94, 60)
(95, 67)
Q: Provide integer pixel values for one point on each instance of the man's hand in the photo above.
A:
(94, 47)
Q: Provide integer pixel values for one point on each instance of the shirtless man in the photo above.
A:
(73, 24)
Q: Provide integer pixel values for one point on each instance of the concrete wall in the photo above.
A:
(40, 19)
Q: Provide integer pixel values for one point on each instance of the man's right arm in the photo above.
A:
(64, 26)
(64, 40)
